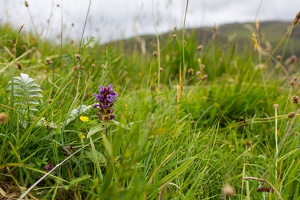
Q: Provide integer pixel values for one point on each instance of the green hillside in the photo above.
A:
(239, 33)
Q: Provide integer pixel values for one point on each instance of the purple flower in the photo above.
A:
(48, 167)
(105, 98)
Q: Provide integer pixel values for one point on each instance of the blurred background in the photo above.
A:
(120, 19)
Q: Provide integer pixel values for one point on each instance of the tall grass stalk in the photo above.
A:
(84, 27)
(158, 47)
(276, 140)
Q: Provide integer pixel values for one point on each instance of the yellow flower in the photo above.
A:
(81, 135)
(84, 118)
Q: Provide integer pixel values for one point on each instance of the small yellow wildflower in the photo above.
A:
(81, 135)
(84, 118)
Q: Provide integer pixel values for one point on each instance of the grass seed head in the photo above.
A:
(297, 17)
(293, 81)
(204, 77)
(199, 47)
(78, 56)
(19, 65)
(227, 190)
(3, 118)
(75, 67)
(278, 57)
(191, 71)
(291, 114)
(48, 61)
(295, 99)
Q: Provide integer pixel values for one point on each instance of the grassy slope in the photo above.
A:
(220, 131)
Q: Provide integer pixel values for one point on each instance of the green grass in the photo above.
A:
(221, 131)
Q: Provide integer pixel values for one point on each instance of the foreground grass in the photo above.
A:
(221, 137)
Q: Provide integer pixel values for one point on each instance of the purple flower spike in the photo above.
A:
(105, 99)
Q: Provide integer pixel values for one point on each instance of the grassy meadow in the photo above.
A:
(195, 119)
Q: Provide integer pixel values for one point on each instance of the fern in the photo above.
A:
(26, 94)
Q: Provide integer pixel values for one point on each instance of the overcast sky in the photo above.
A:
(115, 19)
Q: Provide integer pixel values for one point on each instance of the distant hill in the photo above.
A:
(270, 33)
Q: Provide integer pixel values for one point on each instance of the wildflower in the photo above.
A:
(174, 36)
(48, 167)
(81, 135)
(155, 54)
(84, 118)
(105, 98)
(66, 150)
(3, 118)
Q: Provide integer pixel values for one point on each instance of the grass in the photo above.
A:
(223, 139)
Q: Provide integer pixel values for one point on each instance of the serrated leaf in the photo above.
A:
(19, 94)
(33, 109)
(35, 89)
(17, 81)
(20, 81)
(32, 84)
(35, 94)
(33, 101)
(26, 78)
(44, 122)
(16, 87)
(77, 111)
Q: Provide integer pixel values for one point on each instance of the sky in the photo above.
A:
(118, 19)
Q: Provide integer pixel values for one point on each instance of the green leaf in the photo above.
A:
(124, 126)
(33, 101)
(35, 94)
(75, 181)
(19, 94)
(95, 129)
(92, 155)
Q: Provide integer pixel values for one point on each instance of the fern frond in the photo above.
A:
(26, 93)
